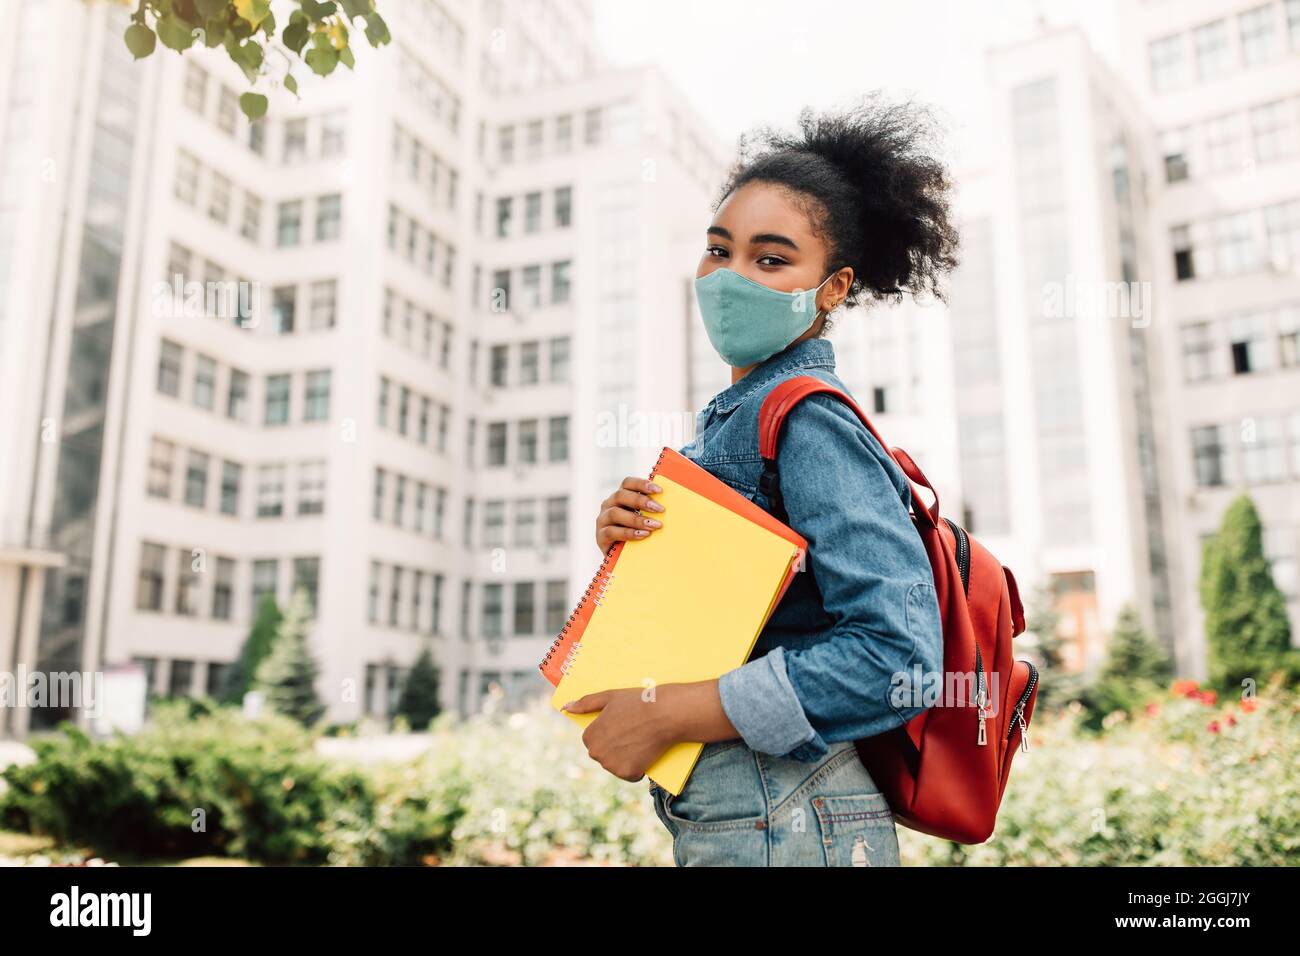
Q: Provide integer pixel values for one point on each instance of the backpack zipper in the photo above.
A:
(981, 696)
(963, 553)
(1019, 712)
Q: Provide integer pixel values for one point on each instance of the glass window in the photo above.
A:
(378, 497)
(186, 186)
(560, 359)
(532, 212)
(563, 133)
(251, 225)
(1209, 455)
(1259, 38)
(529, 362)
(532, 286)
(528, 441)
(560, 284)
(295, 141)
(266, 576)
(1273, 130)
(1168, 58)
(231, 476)
(329, 217)
(564, 207)
(306, 578)
(270, 491)
(289, 225)
(169, 368)
(277, 400)
(161, 456)
(525, 522)
(149, 584)
(228, 111)
(187, 584)
(205, 381)
(557, 607)
(196, 479)
(219, 199)
(1263, 450)
(1213, 49)
(525, 611)
(496, 452)
(499, 365)
(324, 303)
(332, 134)
(557, 520)
(492, 610)
(223, 590)
(559, 438)
(316, 404)
(237, 397)
(504, 206)
(196, 88)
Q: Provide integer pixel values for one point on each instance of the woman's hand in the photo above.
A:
(634, 727)
(618, 520)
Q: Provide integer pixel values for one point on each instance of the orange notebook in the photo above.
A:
(688, 604)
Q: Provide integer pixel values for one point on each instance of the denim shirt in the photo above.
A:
(864, 608)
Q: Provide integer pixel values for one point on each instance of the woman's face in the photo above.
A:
(760, 233)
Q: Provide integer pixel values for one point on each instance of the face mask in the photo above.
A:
(747, 321)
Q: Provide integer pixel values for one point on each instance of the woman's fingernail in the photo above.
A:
(652, 523)
(653, 488)
(655, 506)
(640, 534)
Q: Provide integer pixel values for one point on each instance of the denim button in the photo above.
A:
(760, 825)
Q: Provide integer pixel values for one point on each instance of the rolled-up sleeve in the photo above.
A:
(876, 584)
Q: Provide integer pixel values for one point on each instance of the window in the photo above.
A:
(564, 207)
(560, 285)
(559, 359)
(563, 133)
(329, 217)
(277, 399)
(180, 680)
(1199, 352)
(423, 435)
(532, 286)
(403, 410)
(196, 88)
(257, 137)
(311, 487)
(1282, 221)
(533, 139)
(295, 141)
(237, 397)
(557, 520)
(1263, 450)
(417, 596)
(1288, 336)
(532, 212)
(187, 584)
(426, 340)
(1273, 130)
(1293, 22)
(559, 438)
(1259, 39)
(499, 365)
(528, 441)
(228, 111)
(439, 510)
(149, 584)
(289, 225)
(223, 590)
(1280, 552)
(492, 610)
(494, 524)
(1209, 455)
(421, 505)
(525, 612)
(1184, 262)
(1249, 343)
(196, 479)
(324, 303)
(161, 455)
(591, 126)
(506, 145)
(306, 578)
(525, 522)
(266, 578)
(378, 497)
(500, 291)
(1174, 146)
(529, 362)
(1168, 58)
(316, 402)
(496, 451)
(436, 610)
(372, 607)
(1225, 143)
(557, 610)
(251, 226)
(395, 597)
(186, 185)
(332, 134)
(383, 402)
(1213, 49)
(169, 368)
(219, 199)
(270, 491)
(231, 477)
(205, 382)
(444, 422)
(503, 217)
(399, 500)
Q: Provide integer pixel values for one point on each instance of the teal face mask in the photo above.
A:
(747, 321)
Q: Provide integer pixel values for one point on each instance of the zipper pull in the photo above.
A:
(981, 696)
(1024, 731)
(983, 740)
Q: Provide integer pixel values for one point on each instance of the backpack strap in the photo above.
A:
(781, 400)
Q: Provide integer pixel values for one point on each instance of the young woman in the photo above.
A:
(852, 207)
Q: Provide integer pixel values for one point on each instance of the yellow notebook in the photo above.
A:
(687, 603)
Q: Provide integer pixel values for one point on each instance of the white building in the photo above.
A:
(1220, 83)
(386, 409)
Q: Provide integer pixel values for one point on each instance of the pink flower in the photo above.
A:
(1153, 709)
(1209, 697)
(1213, 727)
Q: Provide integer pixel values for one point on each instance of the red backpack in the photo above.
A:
(945, 770)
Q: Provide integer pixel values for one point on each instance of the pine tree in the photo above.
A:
(1056, 687)
(1136, 667)
(239, 678)
(1247, 632)
(288, 673)
(419, 699)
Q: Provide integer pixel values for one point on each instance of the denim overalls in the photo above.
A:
(791, 790)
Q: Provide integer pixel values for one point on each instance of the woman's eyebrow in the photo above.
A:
(774, 238)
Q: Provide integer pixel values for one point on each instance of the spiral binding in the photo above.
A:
(596, 589)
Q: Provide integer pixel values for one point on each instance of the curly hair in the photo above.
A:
(874, 191)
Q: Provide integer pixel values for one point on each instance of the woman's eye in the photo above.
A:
(771, 260)
(715, 250)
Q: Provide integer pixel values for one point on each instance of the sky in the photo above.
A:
(747, 63)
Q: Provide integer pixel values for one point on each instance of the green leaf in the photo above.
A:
(254, 11)
(268, 26)
(318, 10)
(291, 84)
(358, 8)
(377, 30)
(174, 34)
(140, 40)
(216, 32)
(211, 9)
(253, 105)
(346, 58)
(322, 58)
(297, 33)
(248, 57)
